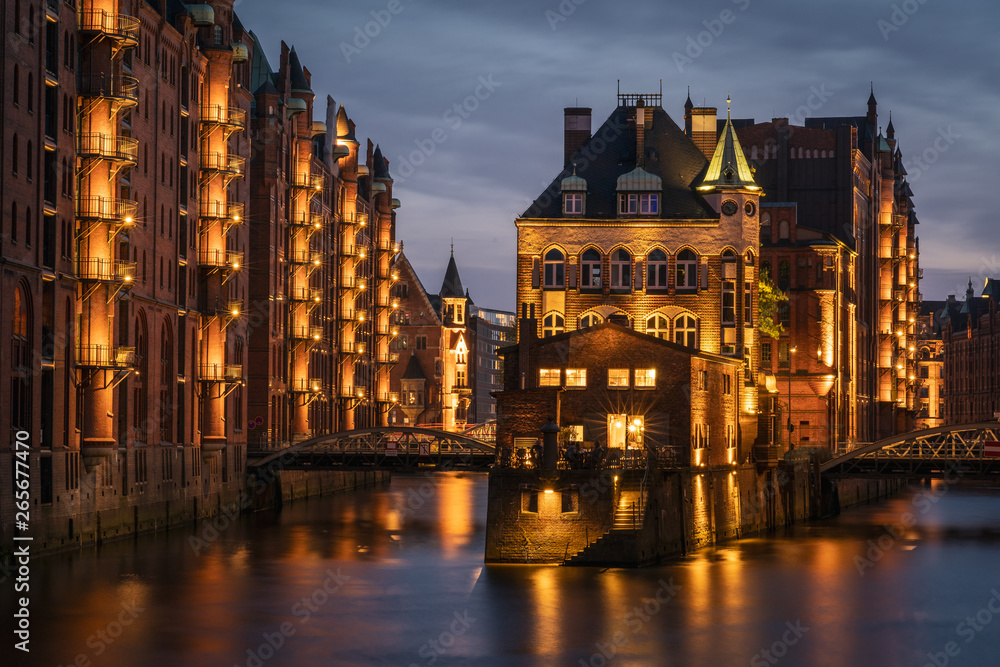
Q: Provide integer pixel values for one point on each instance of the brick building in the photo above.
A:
(135, 254)
(848, 185)
(971, 350)
(627, 390)
(930, 363)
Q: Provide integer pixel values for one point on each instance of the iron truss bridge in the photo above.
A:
(943, 452)
(384, 447)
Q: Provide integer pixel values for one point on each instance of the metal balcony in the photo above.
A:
(105, 357)
(106, 209)
(228, 308)
(388, 245)
(122, 89)
(386, 359)
(306, 181)
(357, 218)
(305, 386)
(220, 373)
(305, 257)
(388, 397)
(119, 27)
(233, 118)
(348, 250)
(223, 163)
(307, 219)
(305, 295)
(349, 282)
(106, 147)
(105, 270)
(350, 391)
(305, 333)
(222, 210)
(354, 347)
(227, 259)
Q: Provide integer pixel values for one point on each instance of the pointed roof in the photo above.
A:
(890, 131)
(298, 77)
(381, 168)
(729, 167)
(261, 74)
(689, 104)
(345, 133)
(413, 370)
(871, 96)
(452, 288)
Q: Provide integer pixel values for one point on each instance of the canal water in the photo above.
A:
(395, 576)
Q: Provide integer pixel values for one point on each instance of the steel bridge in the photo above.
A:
(386, 447)
(946, 451)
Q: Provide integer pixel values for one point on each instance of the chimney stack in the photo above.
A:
(576, 131)
(640, 133)
(704, 129)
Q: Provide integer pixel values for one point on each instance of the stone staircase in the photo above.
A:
(616, 545)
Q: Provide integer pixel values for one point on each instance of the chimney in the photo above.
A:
(527, 333)
(640, 133)
(576, 131)
(704, 129)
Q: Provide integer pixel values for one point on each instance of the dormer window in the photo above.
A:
(574, 192)
(638, 204)
(573, 203)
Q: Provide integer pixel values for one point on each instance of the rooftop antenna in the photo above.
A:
(452, 246)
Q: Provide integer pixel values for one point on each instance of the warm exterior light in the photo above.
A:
(616, 478)
(631, 427)
(236, 217)
(128, 279)
(316, 262)
(236, 312)
(395, 332)
(548, 490)
(236, 265)
(315, 336)
(899, 333)
(899, 367)
(128, 219)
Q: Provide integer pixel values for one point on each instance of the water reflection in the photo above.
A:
(395, 576)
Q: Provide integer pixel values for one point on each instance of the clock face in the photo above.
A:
(729, 207)
(750, 208)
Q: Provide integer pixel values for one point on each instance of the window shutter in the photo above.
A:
(571, 276)
(638, 285)
(704, 273)
(535, 274)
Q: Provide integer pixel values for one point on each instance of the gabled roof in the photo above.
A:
(261, 74)
(728, 167)
(452, 288)
(413, 370)
(433, 305)
(610, 153)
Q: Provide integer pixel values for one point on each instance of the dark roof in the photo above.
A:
(381, 169)
(298, 77)
(452, 288)
(261, 74)
(413, 370)
(610, 153)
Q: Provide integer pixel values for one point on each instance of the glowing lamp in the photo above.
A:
(128, 279)
(548, 490)
(128, 219)
(236, 312)
(236, 265)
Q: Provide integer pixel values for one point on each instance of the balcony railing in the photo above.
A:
(356, 218)
(216, 114)
(105, 356)
(107, 147)
(305, 295)
(229, 259)
(123, 89)
(353, 348)
(348, 282)
(304, 257)
(388, 397)
(389, 245)
(222, 210)
(348, 250)
(350, 391)
(220, 372)
(120, 27)
(229, 308)
(223, 163)
(105, 270)
(383, 330)
(305, 333)
(122, 211)
(306, 181)
(390, 358)
(305, 386)
(307, 219)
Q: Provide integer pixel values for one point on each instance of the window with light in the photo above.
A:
(555, 270)
(621, 269)
(645, 378)
(686, 331)
(687, 270)
(553, 324)
(656, 270)
(576, 378)
(618, 378)
(590, 269)
(548, 377)
(659, 326)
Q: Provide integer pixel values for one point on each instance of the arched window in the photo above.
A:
(659, 326)
(656, 270)
(687, 270)
(590, 320)
(28, 222)
(783, 230)
(748, 259)
(553, 324)
(590, 269)
(555, 269)
(621, 269)
(728, 255)
(14, 156)
(139, 402)
(686, 331)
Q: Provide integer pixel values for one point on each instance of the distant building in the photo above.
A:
(930, 365)
(971, 336)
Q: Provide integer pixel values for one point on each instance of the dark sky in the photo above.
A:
(935, 65)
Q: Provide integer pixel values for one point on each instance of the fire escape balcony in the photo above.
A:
(386, 330)
(122, 28)
(388, 245)
(299, 333)
(220, 373)
(350, 391)
(349, 250)
(306, 181)
(109, 357)
(308, 220)
(231, 260)
(121, 89)
(388, 397)
(350, 282)
(386, 359)
(233, 119)
(118, 271)
(232, 212)
(359, 218)
(106, 147)
(226, 164)
(305, 386)
(106, 209)
(305, 295)
(353, 347)
(305, 258)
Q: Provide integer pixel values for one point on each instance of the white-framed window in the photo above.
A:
(590, 269)
(658, 325)
(555, 269)
(573, 203)
(645, 378)
(590, 320)
(728, 302)
(686, 331)
(548, 377)
(643, 204)
(687, 270)
(576, 378)
(656, 270)
(553, 324)
(621, 269)
(618, 378)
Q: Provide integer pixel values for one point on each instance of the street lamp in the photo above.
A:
(791, 353)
